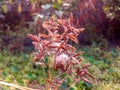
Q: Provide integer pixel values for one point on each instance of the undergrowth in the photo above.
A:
(18, 69)
(105, 68)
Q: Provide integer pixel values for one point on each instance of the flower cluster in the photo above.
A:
(54, 42)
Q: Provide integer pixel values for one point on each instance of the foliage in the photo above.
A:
(14, 15)
(112, 11)
(17, 69)
(15, 18)
(105, 66)
(99, 17)
(112, 8)
(24, 44)
(65, 60)
(90, 14)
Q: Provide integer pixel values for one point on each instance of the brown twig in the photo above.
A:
(15, 86)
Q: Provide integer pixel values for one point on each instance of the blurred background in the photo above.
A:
(100, 40)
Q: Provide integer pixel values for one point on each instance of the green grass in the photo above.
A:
(105, 67)
(18, 69)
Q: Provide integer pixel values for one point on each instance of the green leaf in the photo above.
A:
(70, 79)
(63, 75)
(46, 69)
(73, 87)
(56, 6)
(4, 75)
(64, 86)
(31, 76)
(25, 58)
(88, 85)
(46, 60)
(14, 68)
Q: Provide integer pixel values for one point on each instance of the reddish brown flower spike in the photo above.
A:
(55, 44)
(34, 38)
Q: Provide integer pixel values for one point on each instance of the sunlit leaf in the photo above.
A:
(73, 87)
(19, 8)
(10, 1)
(59, 1)
(4, 8)
(56, 5)
(106, 87)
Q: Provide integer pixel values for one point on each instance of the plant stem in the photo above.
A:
(49, 77)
